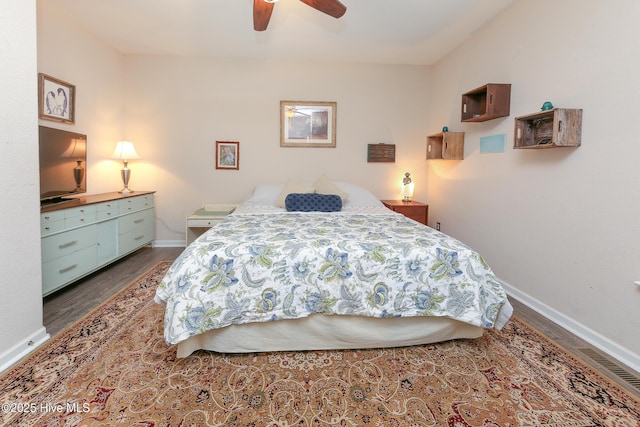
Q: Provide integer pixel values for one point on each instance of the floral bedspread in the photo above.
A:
(266, 267)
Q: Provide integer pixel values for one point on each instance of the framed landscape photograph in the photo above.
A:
(307, 124)
(56, 99)
(227, 155)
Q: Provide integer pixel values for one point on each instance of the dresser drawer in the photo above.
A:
(79, 221)
(51, 222)
(84, 211)
(136, 203)
(107, 206)
(60, 271)
(107, 210)
(136, 238)
(62, 244)
(135, 220)
(203, 222)
(80, 216)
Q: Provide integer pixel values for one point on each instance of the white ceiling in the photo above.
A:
(372, 31)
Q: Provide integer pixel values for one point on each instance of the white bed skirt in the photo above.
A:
(322, 332)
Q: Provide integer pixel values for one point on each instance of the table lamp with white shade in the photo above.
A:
(125, 151)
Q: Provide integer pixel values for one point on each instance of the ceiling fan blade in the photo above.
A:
(261, 14)
(330, 7)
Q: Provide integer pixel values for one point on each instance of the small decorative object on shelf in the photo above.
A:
(547, 106)
(407, 188)
(558, 127)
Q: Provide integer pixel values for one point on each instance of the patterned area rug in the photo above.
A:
(113, 368)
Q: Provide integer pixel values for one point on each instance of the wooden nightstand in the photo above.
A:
(414, 210)
(205, 218)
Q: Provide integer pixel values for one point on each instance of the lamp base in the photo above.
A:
(126, 173)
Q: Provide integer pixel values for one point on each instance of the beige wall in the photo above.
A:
(561, 225)
(37, 39)
(176, 108)
(68, 53)
(20, 285)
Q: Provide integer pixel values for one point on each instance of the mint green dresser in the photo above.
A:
(84, 234)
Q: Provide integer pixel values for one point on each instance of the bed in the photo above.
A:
(355, 274)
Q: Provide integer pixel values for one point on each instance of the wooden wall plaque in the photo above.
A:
(381, 153)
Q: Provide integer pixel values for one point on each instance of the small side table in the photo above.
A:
(205, 218)
(414, 210)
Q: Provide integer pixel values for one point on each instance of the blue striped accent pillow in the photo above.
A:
(313, 202)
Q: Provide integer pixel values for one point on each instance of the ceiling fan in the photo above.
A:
(262, 10)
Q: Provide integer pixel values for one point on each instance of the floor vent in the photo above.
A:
(624, 374)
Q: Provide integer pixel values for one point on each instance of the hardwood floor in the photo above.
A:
(69, 304)
(72, 302)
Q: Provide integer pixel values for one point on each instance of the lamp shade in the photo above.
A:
(77, 148)
(125, 151)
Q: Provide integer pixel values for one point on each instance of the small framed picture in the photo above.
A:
(56, 99)
(227, 155)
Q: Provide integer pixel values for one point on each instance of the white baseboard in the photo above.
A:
(168, 244)
(23, 348)
(623, 355)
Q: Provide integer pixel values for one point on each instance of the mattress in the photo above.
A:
(267, 279)
(321, 332)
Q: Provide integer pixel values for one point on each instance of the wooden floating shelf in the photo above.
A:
(445, 146)
(559, 127)
(487, 102)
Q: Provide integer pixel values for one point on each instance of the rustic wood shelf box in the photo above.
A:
(445, 146)
(487, 102)
(559, 127)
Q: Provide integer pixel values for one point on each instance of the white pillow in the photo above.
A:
(358, 196)
(323, 185)
(265, 194)
(268, 194)
(292, 187)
